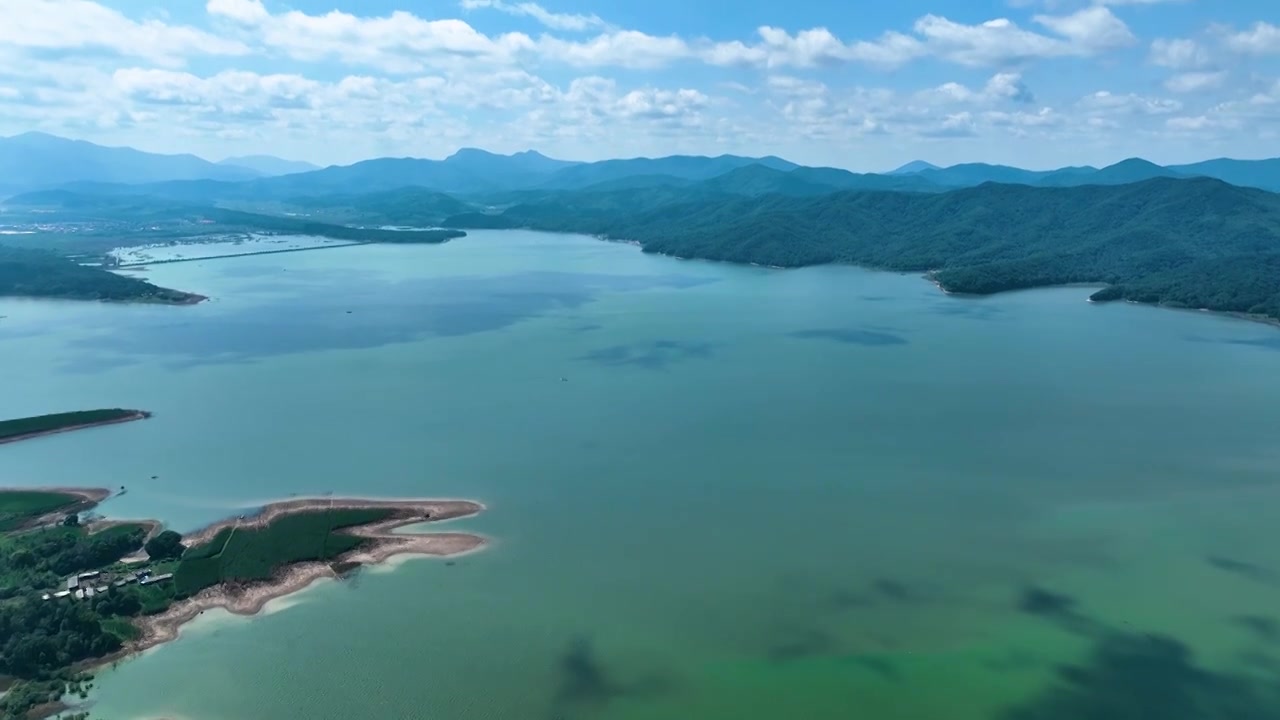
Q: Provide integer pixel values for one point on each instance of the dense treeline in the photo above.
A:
(58, 421)
(36, 273)
(42, 638)
(37, 561)
(1196, 242)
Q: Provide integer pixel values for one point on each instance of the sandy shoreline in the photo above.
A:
(89, 495)
(136, 415)
(251, 598)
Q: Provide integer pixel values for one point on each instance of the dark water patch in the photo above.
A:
(333, 314)
(10, 330)
(1013, 661)
(1261, 661)
(1060, 609)
(884, 667)
(87, 364)
(1243, 568)
(850, 600)
(875, 298)
(586, 686)
(1263, 628)
(897, 591)
(586, 328)
(799, 644)
(1265, 342)
(852, 336)
(656, 355)
(1038, 601)
(1131, 676)
(972, 309)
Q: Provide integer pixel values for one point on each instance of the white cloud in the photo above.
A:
(1106, 102)
(404, 42)
(811, 48)
(1006, 86)
(399, 42)
(555, 21)
(1179, 54)
(242, 11)
(1087, 32)
(623, 48)
(1261, 39)
(661, 104)
(84, 25)
(413, 83)
(1090, 30)
(1190, 82)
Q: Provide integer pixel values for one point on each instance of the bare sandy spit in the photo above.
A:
(135, 415)
(384, 543)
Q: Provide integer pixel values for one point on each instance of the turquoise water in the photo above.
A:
(822, 493)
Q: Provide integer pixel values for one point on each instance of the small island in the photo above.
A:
(40, 425)
(79, 593)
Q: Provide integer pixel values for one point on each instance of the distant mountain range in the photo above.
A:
(35, 161)
(38, 161)
(268, 165)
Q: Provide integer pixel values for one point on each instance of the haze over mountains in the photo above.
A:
(35, 161)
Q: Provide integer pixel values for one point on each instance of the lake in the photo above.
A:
(716, 492)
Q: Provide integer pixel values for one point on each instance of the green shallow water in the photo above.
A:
(823, 493)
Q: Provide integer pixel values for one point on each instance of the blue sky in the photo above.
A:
(866, 85)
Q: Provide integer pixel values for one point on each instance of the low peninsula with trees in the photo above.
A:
(79, 592)
(41, 425)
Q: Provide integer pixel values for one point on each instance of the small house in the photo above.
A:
(100, 589)
(90, 575)
(73, 583)
(89, 592)
(156, 579)
(45, 597)
(79, 595)
(61, 594)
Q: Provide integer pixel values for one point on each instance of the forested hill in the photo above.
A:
(37, 273)
(1185, 242)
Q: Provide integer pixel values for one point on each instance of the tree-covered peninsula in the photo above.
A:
(1182, 242)
(76, 592)
(44, 274)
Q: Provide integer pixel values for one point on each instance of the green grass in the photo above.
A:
(19, 506)
(236, 555)
(121, 628)
(123, 529)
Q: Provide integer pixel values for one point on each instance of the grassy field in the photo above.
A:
(60, 421)
(239, 555)
(121, 529)
(19, 506)
(121, 628)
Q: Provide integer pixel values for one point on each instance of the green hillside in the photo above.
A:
(1195, 242)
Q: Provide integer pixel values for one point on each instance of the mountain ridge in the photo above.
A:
(33, 161)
